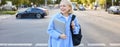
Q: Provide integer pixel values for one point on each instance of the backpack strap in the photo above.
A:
(73, 17)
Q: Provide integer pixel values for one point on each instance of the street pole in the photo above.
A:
(112, 2)
(54, 1)
(119, 3)
(45, 3)
(105, 5)
(0, 1)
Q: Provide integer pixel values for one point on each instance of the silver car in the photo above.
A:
(6, 7)
(82, 8)
(114, 10)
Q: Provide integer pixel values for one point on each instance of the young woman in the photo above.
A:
(57, 39)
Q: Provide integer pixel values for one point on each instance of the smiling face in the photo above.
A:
(65, 7)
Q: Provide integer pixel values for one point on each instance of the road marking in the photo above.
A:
(114, 44)
(41, 44)
(3, 44)
(15, 44)
(46, 44)
(96, 44)
(81, 45)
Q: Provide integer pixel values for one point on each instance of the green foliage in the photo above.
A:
(42, 2)
(58, 1)
(109, 2)
(28, 2)
(37, 1)
(83, 1)
(3, 2)
(8, 12)
(90, 1)
(101, 2)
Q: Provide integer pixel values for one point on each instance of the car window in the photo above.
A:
(29, 9)
(40, 10)
(36, 10)
(32, 10)
(118, 7)
(113, 7)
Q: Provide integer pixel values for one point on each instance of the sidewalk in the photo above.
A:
(4, 16)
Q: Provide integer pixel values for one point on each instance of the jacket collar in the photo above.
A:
(62, 16)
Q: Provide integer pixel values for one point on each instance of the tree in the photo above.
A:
(37, 2)
(79, 2)
(90, 1)
(84, 2)
(101, 2)
(58, 1)
(49, 1)
(3, 2)
(116, 2)
(73, 0)
(26, 2)
(17, 2)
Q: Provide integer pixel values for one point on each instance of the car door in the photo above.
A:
(32, 12)
(27, 12)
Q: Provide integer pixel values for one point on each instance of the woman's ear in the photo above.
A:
(70, 10)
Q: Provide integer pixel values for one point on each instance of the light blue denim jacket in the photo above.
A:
(54, 39)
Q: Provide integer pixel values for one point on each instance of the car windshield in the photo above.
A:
(29, 9)
(34, 10)
(118, 7)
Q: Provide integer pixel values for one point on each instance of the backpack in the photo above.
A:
(76, 38)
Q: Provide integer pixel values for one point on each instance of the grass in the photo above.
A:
(8, 12)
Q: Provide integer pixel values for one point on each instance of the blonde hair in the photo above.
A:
(66, 2)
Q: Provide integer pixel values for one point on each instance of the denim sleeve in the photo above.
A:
(77, 27)
(51, 31)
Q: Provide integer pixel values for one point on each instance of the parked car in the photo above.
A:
(82, 8)
(74, 6)
(32, 12)
(114, 10)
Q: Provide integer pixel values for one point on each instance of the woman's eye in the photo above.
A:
(62, 6)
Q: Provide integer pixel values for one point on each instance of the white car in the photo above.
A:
(7, 7)
(114, 10)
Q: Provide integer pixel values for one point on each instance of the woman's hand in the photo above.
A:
(63, 36)
(73, 25)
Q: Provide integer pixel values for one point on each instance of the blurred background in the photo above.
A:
(24, 23)
(14, 5)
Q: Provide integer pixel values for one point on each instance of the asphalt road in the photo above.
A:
(99, 29)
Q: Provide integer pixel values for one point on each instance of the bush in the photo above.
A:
(8, 12)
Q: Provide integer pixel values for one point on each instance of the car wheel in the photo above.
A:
(111, 12)
(38, 16)
(18, 16)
